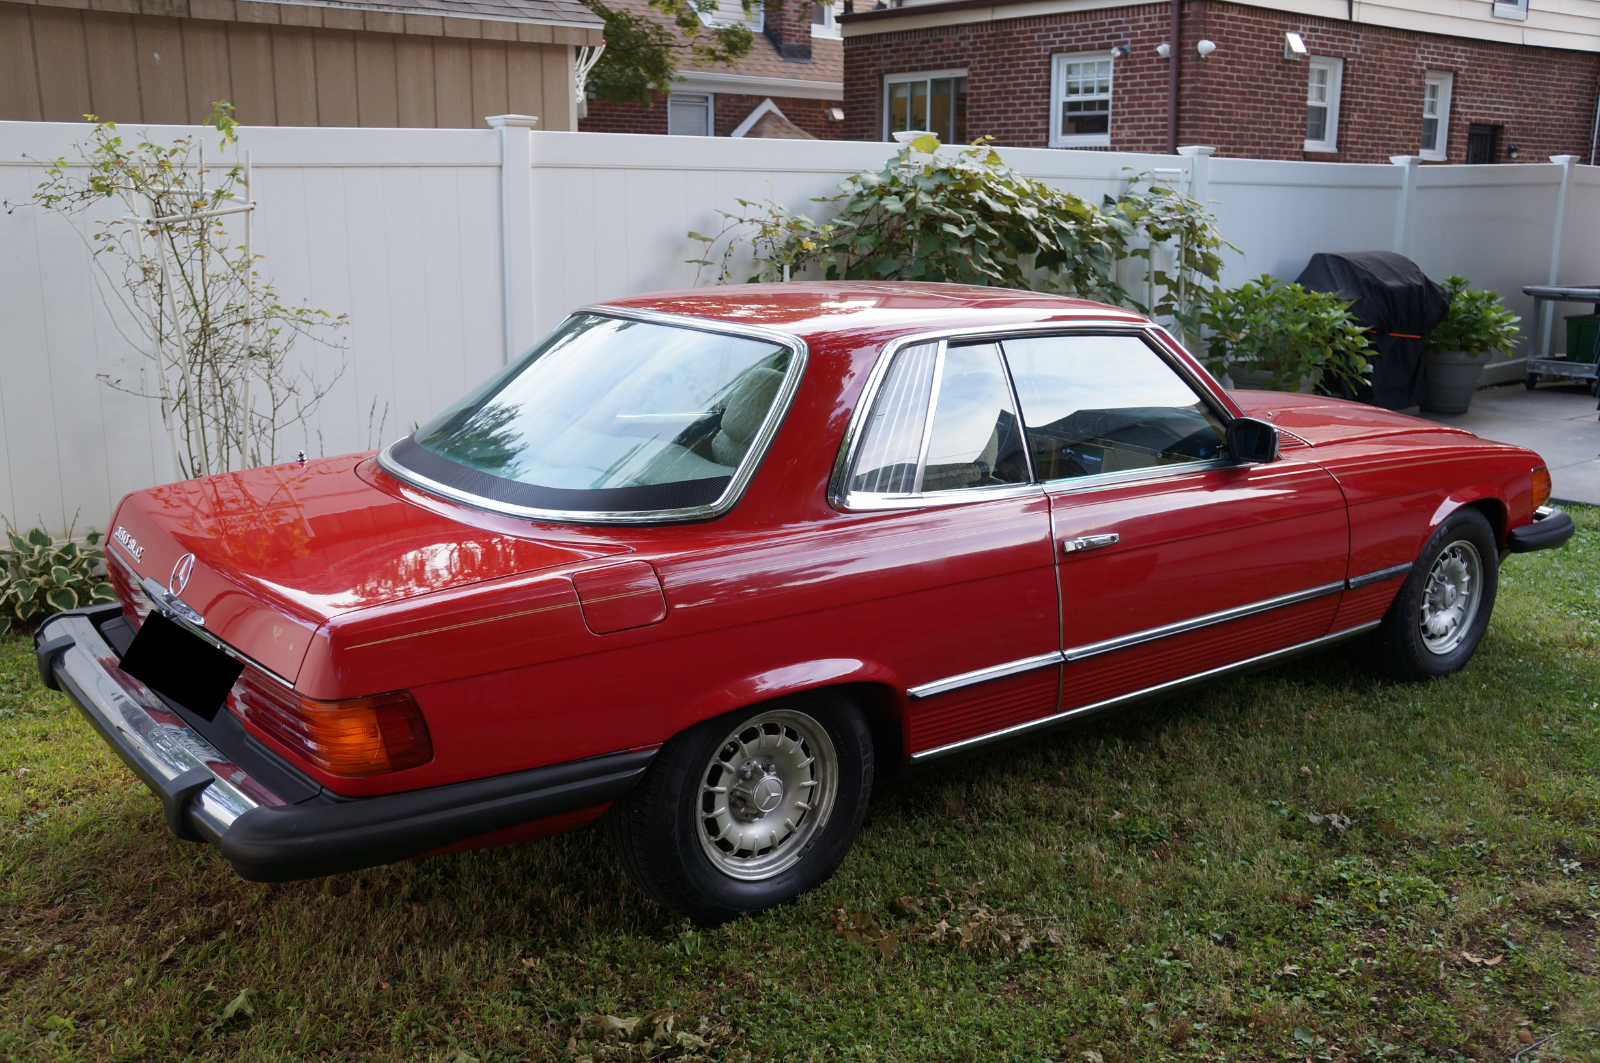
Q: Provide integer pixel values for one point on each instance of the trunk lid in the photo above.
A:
(281, 550)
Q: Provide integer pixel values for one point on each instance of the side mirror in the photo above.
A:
(1253, 441)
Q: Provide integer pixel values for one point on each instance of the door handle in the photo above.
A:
(1089, 542)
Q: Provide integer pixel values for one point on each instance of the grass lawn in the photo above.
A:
(1307, 863)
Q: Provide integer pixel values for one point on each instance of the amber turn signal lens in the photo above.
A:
(1541, 486)
(363, 736)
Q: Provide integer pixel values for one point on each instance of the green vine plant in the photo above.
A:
(210, 330)
(968, 218)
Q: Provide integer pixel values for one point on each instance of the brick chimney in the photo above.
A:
(788, 26)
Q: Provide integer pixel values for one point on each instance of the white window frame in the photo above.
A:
(1058, 69)
(1335, 68)
(731, 13)
(1445, 80)
(900, 79)
(829, 26)
(711, 113)
(1517, 9)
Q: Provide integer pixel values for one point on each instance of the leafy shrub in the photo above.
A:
(1477, 323)
(40, 577)
(968, 218)
(1297, 335)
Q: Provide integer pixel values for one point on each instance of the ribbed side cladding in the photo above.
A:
(984, 708)
(1137, 668)
(1366, 604)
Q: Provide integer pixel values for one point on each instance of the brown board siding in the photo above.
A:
(58, 64)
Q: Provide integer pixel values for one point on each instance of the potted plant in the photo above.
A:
(1477, 324)
(1269, 335)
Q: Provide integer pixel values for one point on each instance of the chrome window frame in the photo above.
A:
(737, 484)
(847, 501)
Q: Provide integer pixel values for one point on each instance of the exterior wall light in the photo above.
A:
(1118, 51)
(1205, 48)
(1294, 47)
(1164, 50)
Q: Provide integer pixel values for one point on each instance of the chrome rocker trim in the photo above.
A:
(1122, 642)
(983, 675)
(1378, 577)
(1094, 649)
(1159, 690)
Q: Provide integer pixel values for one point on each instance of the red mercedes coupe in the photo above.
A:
(703, 562)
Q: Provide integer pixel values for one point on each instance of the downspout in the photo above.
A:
(1174, 34)
(1594, 137)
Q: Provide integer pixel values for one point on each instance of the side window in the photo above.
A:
(973, 439)
(1106, 404)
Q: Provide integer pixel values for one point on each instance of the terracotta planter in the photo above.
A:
(1452, 378)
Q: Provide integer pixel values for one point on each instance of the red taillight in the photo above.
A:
(362, 736)
(135, 603)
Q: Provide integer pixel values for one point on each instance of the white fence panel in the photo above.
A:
(406, 232)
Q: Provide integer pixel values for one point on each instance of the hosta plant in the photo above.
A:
(40, 576)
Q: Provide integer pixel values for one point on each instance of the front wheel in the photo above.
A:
(1443, 608)
(749, 810)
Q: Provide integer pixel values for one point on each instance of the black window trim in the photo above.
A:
(730, 495)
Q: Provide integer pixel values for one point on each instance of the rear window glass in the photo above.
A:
(608, 415)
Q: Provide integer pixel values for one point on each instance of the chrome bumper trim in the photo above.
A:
(154, 741)
(1160, 689)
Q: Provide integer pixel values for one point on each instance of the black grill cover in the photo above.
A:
(1389, 295)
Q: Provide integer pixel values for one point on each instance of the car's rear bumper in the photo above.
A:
(207, 797)
(1550, 528)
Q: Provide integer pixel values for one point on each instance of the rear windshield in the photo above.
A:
(608, 415)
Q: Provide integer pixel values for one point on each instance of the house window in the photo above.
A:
(1082, 93)
(733, 13)
(1436, 114)
(823, 22)
(689, 114)
(1517, 9)
(935, 102)
(1323, 81)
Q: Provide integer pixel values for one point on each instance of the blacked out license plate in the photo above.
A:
(173, 661)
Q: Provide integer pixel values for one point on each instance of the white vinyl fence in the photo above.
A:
(450, 248)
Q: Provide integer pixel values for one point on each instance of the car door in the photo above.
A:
(964, 576)
(1172, 558)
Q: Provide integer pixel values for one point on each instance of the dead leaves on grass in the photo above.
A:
(959, 922)
(656, 1036)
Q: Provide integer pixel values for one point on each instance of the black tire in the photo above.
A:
(1531, 381)
(1410, 646)
(662, 830)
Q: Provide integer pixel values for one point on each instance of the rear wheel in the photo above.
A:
(749, 810)
(1443, 608)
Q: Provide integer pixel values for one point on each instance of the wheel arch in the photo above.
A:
(871, 686)
(1484, 499)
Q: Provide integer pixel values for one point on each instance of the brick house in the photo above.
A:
(1329, 80)
(790, 85)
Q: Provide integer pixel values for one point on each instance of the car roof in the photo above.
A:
(813, 309)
